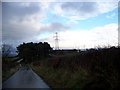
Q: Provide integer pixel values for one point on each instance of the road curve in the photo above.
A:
(25, 78)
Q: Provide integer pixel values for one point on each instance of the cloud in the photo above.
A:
(98, 36)
(79, 10)
(20, 21)
(119, 34)
(83, 7)
(16, 30)
(0, 23)
(53, 27)
(19, 10)
(23, 22)
(83, 10)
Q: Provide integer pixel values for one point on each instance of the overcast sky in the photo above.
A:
(79, 24)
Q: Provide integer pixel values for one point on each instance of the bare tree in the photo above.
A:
(6, 50)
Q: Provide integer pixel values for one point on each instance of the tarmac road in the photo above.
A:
(25, 78)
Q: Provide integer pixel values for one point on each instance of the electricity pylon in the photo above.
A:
(56, 41)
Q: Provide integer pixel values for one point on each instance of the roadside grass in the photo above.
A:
(96, 69)
(8, 68)
(61, 77)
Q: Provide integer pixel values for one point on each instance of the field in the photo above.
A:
(90, 69)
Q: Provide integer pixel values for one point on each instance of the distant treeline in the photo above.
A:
(33, 51)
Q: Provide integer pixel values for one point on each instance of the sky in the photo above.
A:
(79, 24)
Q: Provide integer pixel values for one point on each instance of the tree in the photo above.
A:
(33, 51)
(6, 50)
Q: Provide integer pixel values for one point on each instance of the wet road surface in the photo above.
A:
(25, 78)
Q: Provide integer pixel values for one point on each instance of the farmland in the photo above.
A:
(93, 68)
(89, 69)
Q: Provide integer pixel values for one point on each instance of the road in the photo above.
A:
(25, 77)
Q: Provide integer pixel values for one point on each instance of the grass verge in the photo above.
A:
(8, 68)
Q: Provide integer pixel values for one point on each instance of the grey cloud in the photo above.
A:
(15, 27)
(85, 7)
(0, 23)
(17, 32)
(11, 10)
(54, 27)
